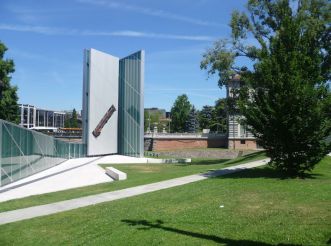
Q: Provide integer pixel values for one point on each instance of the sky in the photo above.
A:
(46, 40)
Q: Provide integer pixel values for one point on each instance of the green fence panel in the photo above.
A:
(25, 152)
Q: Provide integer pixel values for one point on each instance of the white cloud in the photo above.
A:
(150, 12)
(38, 29)
(124, 33)
(128, 33)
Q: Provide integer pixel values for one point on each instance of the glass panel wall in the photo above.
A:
(130, 127)
(58, 120)
(25, 116)
(50, 118)
(41, 117)
(24, 152)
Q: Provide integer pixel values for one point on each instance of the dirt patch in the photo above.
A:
(202, 153)
(146, 169)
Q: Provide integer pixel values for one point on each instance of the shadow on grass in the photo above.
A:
(246, 158)
(159, 224)
(265, 172)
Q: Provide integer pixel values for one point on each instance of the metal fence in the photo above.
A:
(24, 152)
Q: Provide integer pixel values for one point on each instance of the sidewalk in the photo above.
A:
(42, 210)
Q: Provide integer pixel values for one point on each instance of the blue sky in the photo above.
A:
(46, 40)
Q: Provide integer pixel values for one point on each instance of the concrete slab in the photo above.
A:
(115, 173)
(70, 174)
(36, 211)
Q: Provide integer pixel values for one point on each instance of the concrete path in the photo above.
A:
(36, 211)
(70, 174)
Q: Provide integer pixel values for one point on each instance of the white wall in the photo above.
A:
(100, 91)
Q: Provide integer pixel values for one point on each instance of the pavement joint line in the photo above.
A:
(66, 205)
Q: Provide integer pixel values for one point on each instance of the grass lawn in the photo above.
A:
(260, 208)
(138, 174)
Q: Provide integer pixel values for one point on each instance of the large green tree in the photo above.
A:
(74, 119)
(179, 113)
(71, 120)
(284, 96)
(214, 118)
(192, 122)
(220, 116)
(9, 109)
(206, 117)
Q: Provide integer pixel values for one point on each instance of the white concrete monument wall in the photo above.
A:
(100, 92)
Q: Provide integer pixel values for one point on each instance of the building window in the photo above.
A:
(242, 131)
(242, 141)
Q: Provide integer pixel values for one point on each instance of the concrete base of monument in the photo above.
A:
(73, 173)
(115, 174)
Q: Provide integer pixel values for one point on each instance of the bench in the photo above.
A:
(115, 174)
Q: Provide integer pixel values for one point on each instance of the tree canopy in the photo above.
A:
(284, 96)
(192, 122)
(214, 117)
(152, 119)
(179, 113)
(9, 109)
(206, 117)
(71, 120)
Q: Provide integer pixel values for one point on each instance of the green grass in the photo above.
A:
(138, 174)
(260, 208)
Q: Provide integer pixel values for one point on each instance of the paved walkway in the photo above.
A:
(70, 174)
(42, 210)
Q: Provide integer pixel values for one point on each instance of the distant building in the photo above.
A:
(157, 120)
(40, 119)
(239, 137)
(153, 111)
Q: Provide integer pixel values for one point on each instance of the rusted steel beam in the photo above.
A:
(103, 121)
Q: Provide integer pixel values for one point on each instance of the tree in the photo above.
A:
(214, 118)
(284, 97)
(74, 120)
(152, 119)
(220, 116)
(179, 113)
(192, 122)
(71, 120)
(206, 117)
(9, 109)
(67, 120)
